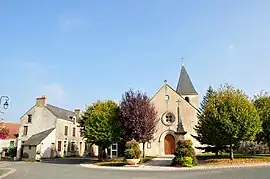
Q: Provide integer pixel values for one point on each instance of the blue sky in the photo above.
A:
(76, 52)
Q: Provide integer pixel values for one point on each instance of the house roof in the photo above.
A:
(38, 138)
(60, 112)
(13, 129)
(185, 86)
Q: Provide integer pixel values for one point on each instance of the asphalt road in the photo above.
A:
(75, 171)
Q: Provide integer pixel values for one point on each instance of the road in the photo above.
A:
(73, 170)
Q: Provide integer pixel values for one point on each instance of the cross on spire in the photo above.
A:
(182, 62)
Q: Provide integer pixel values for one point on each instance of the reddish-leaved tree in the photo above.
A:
(3, 131)
(138, 117)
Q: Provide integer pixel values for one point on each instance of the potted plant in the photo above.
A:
(132, 152)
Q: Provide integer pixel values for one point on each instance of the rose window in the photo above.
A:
(168, 118)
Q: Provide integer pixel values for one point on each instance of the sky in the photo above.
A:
(77, 52)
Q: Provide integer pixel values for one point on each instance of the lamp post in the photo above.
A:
(5, 105)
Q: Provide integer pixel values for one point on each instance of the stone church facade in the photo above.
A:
(177, 113)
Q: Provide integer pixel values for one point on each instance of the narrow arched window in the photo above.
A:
(187, 99)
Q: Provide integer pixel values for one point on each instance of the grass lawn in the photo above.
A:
(239, 159)
(118, 162)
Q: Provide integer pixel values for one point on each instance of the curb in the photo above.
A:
(12, 170)
(154, 168)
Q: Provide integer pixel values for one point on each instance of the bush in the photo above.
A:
(132, 150)
(249, 147)
(184, 154)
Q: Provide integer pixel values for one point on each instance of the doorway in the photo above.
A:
(169, 145)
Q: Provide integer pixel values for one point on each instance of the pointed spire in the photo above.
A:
(185, 86)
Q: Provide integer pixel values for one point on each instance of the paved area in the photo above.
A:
(4, 170)
(162, 162)
(71, 171)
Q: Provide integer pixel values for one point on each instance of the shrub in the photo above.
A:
(184, 154)
(132, 150)
(250, 147)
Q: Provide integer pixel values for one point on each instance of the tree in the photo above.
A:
(138, 117)
(262, 103)
(4, 131)
(210, 91)
(228, 118)
(100, 124)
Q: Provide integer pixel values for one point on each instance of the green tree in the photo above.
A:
(228, 118)
(100, 124)
(262, 103)
(203, 123)
(210, 91)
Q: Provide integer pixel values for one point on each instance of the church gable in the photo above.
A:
(167, 99)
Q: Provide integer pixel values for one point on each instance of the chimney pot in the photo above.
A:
(41, 101)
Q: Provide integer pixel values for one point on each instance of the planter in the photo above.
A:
(133, 161)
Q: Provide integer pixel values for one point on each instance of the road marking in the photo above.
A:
(12, 170)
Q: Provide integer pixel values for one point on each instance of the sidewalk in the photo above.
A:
(164, 168)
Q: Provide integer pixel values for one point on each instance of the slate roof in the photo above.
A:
(185, 86)
(60, 112)
(38, 138)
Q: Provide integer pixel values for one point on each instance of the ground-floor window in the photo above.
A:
(59, 146)
(149, 145)
(11, 144)
(73, 147)
(113, 151)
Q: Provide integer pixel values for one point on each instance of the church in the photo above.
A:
(177, 116)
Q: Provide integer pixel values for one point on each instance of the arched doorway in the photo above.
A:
(169, 145)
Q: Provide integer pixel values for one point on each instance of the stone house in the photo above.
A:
(48, 131)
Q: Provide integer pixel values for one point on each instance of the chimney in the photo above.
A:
(77, 111)
(41, 101)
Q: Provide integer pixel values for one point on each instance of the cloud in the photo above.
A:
(54, 92)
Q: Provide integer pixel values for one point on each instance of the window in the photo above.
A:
(74, 131)
(29, 147)
(148, 145)
(113, 152)
(29, 119)
(168, 118)
(11, 144)
(114, 147)
(66, 130)
(25, 130)
(187, 99)
(59, 146)
(72, 146)
(81, 133)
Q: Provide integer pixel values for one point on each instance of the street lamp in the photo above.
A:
(5, 105)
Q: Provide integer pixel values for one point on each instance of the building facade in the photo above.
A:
(177, 116)
(47, 131)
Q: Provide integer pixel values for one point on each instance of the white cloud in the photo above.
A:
(54, 92)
